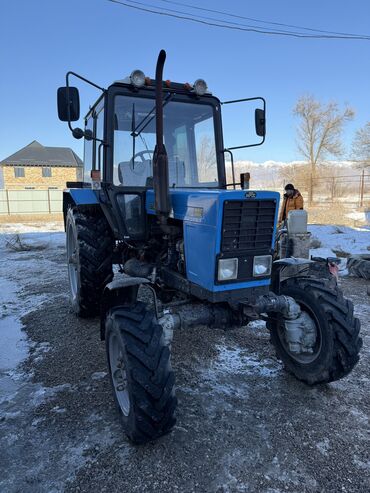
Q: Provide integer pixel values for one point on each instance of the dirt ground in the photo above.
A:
(243, 423)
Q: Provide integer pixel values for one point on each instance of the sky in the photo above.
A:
(40, 40)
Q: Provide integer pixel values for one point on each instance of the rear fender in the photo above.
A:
(119, 292)
(78, 196)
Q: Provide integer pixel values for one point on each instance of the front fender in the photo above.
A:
(121, 291)
(286, 268)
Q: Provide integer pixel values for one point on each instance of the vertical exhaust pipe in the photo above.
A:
(160, 160)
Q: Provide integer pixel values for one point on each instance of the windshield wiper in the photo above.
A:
(135, 132)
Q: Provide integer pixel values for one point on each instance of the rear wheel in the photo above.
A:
(140, 371)
(89, 255)
(334, 349)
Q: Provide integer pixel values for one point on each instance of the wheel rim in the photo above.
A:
(119, 374)
(72, 261)
(303, 358)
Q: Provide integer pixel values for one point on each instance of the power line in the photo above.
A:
(197, 16)
(261, 20)
(225, 25)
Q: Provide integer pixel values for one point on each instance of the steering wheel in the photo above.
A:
(138, 168)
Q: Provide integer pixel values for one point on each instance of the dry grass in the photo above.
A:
(332, 214)
(30, 218)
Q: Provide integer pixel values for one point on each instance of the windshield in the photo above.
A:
(189, 137)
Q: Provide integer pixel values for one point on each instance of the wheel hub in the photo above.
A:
(301, 334)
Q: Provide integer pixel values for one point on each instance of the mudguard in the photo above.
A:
(119, 291)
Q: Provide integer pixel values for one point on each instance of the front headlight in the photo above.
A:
(262, 265)
(227, 269)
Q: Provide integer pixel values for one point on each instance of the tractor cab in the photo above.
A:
(225, 235)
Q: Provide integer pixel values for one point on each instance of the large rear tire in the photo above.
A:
(337, 345)
(89, 254)
(140, 370)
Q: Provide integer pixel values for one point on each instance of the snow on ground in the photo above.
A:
(342, 240)
(23, 249)
(32, 227)
(60, 431)
(360, 216)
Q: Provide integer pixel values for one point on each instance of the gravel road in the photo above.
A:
(243, 423)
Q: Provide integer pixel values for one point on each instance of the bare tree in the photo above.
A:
(361, 147)
(320, 129)
(206, 158)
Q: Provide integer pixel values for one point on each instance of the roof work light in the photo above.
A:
(200, 87)
(137, 78)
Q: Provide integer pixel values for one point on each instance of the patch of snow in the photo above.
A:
(323, 446)
(99, 375)
(341, 238)
(236, 360)
(322, 252)
(32, 227)
(20, 274)
(44, 393)
(357, 216)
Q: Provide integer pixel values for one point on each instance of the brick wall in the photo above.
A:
(33, 177)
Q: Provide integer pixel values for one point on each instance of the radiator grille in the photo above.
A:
(248, 225)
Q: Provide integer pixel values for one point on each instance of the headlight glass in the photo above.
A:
(137, 78)
(227, 269)
(200, 87)
(262, 265)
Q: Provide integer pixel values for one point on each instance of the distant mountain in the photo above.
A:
(274, 174)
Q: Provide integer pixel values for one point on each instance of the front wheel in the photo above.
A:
(333, 344)
(140, 372)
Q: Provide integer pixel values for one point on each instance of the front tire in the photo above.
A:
(89, 255)
(141, 374)
(337, 345)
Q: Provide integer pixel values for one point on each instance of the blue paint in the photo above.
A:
(83, 196)
(201, 212)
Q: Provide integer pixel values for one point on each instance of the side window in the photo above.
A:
(88, 151)
(19, 172)
(46, 172)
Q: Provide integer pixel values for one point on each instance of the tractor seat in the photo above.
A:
(134, 176)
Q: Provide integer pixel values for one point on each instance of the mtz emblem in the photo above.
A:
(250, 195)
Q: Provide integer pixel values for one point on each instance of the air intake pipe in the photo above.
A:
(160, 160)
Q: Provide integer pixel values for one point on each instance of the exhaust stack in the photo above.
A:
(160, 160)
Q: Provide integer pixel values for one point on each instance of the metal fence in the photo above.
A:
(30, 201)
(350, 189)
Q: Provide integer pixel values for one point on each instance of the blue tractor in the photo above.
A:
(187, 246)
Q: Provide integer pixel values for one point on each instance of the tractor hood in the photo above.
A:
(223, 224)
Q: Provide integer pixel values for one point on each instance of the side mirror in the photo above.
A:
(260, 122)
(68, 98)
